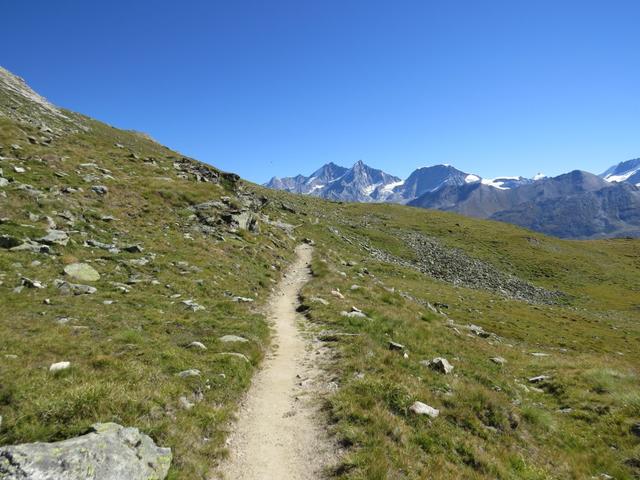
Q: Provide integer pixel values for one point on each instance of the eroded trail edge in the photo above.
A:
(278, 433)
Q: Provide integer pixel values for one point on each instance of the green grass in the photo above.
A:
(493, 423)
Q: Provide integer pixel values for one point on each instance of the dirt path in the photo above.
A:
(278, 435)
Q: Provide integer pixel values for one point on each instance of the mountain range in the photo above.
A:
(577, 204)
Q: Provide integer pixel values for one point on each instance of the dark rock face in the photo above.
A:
(422, 181)
(108, 452)
(574, 205)
(355, 184)
(358, 183)
(313, 184)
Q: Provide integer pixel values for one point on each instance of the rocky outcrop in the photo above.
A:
(454, 266)
(108, 452)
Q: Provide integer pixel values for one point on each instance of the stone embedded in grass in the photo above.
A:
(83, 272)
(58, 237)
(192, 372)
(75, 288)
(133, 249)
(185, 403)
(439, 364)
(395, 346)
(9, 241)
(100, 189)
(336, 293)
(59, 366)
(498, 360)
(479, 331)
(635, 429)
(192, 305)
(197, 345)
(243, 299)
(539, 378)
(540, 354)
(31, 246)
(27, 282)
(420, 408)
(232, 338)
(235, 354)
(318, 300)
(354, 313)
(108, 452)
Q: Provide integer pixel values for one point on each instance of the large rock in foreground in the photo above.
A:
(109, 452)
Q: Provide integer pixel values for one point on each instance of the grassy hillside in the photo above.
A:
(494, 423)
(420, 277)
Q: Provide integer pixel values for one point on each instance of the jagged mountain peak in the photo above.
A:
(628, 171)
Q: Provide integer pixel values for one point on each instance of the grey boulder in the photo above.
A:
(82, 272)
(58, 237)
(108, 452)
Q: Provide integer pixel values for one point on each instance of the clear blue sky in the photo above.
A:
(267, 88)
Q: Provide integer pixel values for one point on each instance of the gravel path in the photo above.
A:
(278, 435)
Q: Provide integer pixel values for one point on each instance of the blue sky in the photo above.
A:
(267, 88)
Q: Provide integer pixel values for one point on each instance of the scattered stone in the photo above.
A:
(192, 372)
(57, 367)
(540, 354)
(420, 408)
(395, 346)
(47, 301)
(185, 403)
(498, 360)
(197, 345)
(100, 189)
(478, 331)
(539, 378)
(243, 299)
(58, 237)
(31, 246)
(82, 272)
(635, 429)
(75, 288)
(108, 452)
(319, 300)
(439, 364)
(232, 338)
(235, 354)
(192, 305)
(27, 282)
(133, 249)
(10, 242)
(336, 293)
(111, 247)
(354, 313)
(19, 169)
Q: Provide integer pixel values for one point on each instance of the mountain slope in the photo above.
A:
(628, 171)
(423, 180)
(573, 205)
(313, 184)
(541, 332)
(357, 184)
(177, 245)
